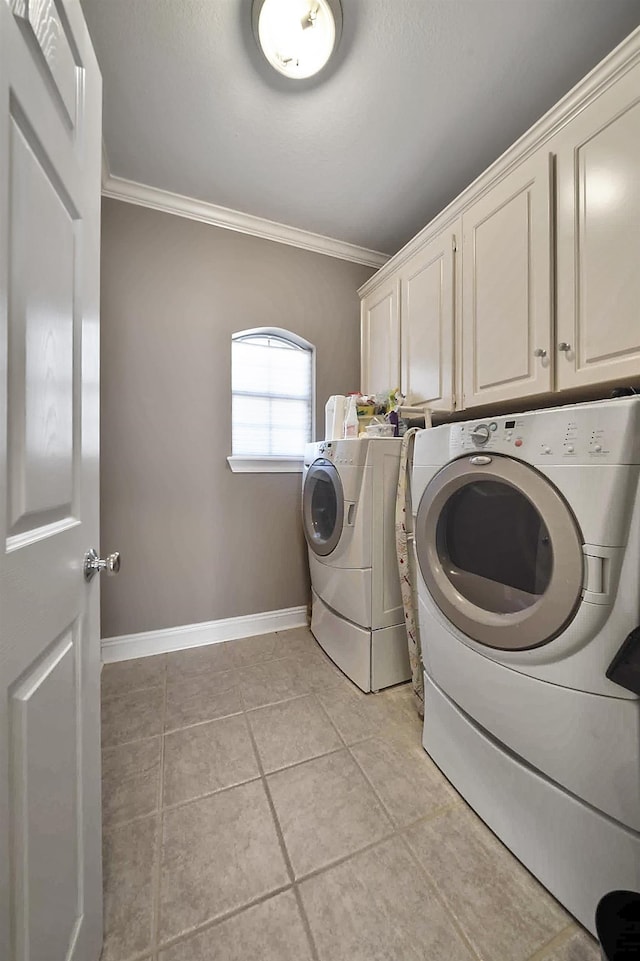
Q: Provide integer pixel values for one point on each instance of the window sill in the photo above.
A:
(266, 465)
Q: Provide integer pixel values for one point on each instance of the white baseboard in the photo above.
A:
(128, 646)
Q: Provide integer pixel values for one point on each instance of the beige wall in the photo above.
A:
(199, 543)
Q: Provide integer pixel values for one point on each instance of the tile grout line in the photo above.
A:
(203, 926)
(283, 846)
(305, 922)
(263, 707)
(230, 787)
(105, 698)
(540, 952)
(377, 796)
(177, 805)
(157, 880)
(330, 720)
(272, 808)
(557, 941)
(432, 816)
(282, 700)
(209, 720)
(345, 857)
(145, 955)
(441, 809)
(440, 898)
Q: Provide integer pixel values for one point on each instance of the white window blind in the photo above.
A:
(272, 394)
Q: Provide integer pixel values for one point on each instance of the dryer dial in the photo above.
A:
(480, 435)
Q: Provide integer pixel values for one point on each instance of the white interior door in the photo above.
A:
(50, 155)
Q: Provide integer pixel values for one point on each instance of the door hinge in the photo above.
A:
(454, 245)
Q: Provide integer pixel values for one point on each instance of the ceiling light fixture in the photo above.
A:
(297, 36)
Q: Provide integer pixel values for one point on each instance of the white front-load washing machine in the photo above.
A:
(527, 539)
(348, 513)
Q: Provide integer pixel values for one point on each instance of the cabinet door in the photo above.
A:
(598, 177)
(381, 339)
(507, 295)
(427, 323)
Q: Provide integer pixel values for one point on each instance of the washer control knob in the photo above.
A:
(546, 450)
(570, 448)
(480, 435)
(598, 448)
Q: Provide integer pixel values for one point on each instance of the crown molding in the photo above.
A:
(622, 59)
(134, 193)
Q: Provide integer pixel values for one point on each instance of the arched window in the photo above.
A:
(272, 384)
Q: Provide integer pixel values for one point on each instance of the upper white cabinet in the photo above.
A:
(507, 295)
(380, 338)
(427, 323)
(598, 247)
(543, 291)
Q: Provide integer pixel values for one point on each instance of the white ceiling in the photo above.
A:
(420, 98)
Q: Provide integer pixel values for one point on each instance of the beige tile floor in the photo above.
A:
(258, 806)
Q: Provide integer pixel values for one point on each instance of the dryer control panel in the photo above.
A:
(605, 432)
(351, 451)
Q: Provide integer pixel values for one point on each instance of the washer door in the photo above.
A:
(322, 507)
(500, 552)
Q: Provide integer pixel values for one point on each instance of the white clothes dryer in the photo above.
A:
(527, 537)
(348, 512)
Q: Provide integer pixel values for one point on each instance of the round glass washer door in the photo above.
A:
(322, 507)
(500, 552)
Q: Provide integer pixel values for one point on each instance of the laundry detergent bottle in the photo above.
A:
(351, 418)
(334, 413)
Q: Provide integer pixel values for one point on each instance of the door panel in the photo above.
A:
(381, 339)
(507, 296)
(41, 338)
(50, 157)
(599, 239)
(44, 22)
(47, 823)
(428, 324)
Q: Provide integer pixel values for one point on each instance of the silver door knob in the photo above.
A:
(564, 346)
(94, 565)
(539, 352)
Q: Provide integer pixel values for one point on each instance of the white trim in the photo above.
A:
(128, 646)
(265, 465)
(605, 74)
(106, 169)
(278, 333)
(19, 541)
(208, 213)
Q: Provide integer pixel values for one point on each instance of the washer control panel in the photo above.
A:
(501, 434)
(602, 432)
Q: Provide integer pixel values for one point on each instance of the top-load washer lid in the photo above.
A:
(322, 507)
(500, 551)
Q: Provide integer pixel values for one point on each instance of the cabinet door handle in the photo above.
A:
(539, 352)
(564, 346)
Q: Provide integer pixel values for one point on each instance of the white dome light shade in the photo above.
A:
(296, 36)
